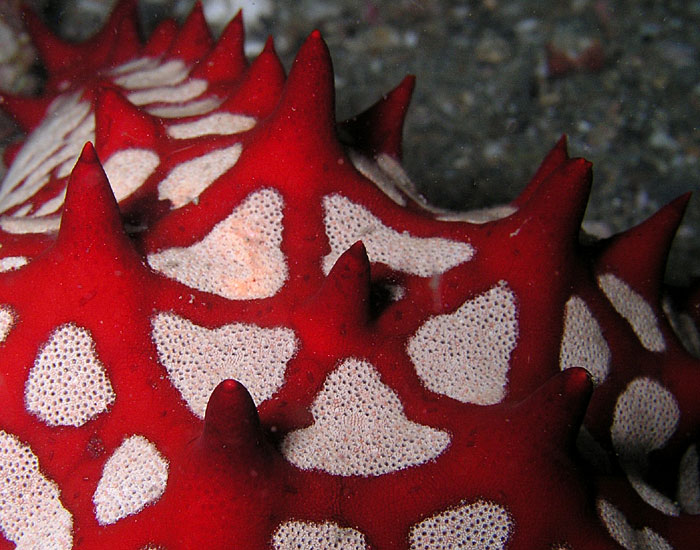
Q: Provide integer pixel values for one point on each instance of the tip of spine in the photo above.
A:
(88, 155)
(557, 205)
(343, 300)
(121, 125)
(161, 38)
(269, 46)
(193, 42)
(639, 254)
(258, 91)
(227, 59)
(56, 54)
(231, 421)
(554, 160)
(379, 129)
(88, 180)
(305, 113)
(347, 285)
(91, 222)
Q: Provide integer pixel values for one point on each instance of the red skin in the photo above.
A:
(229, 486)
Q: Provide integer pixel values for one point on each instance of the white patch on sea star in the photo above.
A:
(31, 515)
(189, 179)
(198, 358)
(135, 476)
(645, 417)
(582, 344)
(148, 72)
(634, 309)
(360, 428)
(465, 355)
(23, 226)
(55, 143)
(214, 124)
(10, 263)
(624, 534)
(190, 108)
(689, 481)
(302, 535)
(240, 258)
(347, 222)
(127, 170)
(178, 93)
(67, 384)
(481, 524)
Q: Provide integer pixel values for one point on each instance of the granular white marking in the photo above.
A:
(137, 64)
(465, 355)
(31, 513)
(147, 72)
(68, 385)
(652, 496)
(624, 534)
(395, 171)
(635, 310)
(347, 222)
(135, 476)
(51, 206)
(214, 124)
(617, 525)
(127, 170)
(583, 344)
(198, 358)
(178, 93)
(689, 481)
(191, 108)
(189, 179)
(55, 143)
(134, 65)
(301, 535)
(240, 258)
(481, 525)
(7, 319)
(10, 263)
(370, 169)
(646, 415)
(360, 428)
(23, 226)
(481, 215)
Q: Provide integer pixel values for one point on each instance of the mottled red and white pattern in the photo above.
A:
(224, 326)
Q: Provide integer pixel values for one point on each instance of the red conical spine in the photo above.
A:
(378, 130)
(305, 114)
(559, 406)
(555, 209)
(554, 160)
(232, 425)
(161, 39)
(91, 222)
(639, 254)
(56, 54)
(226, 61)
(193, 41)
(342, 302)
(259, 88)
(120, 125)
(117, 41)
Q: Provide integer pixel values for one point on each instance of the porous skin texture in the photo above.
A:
(435, 373)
